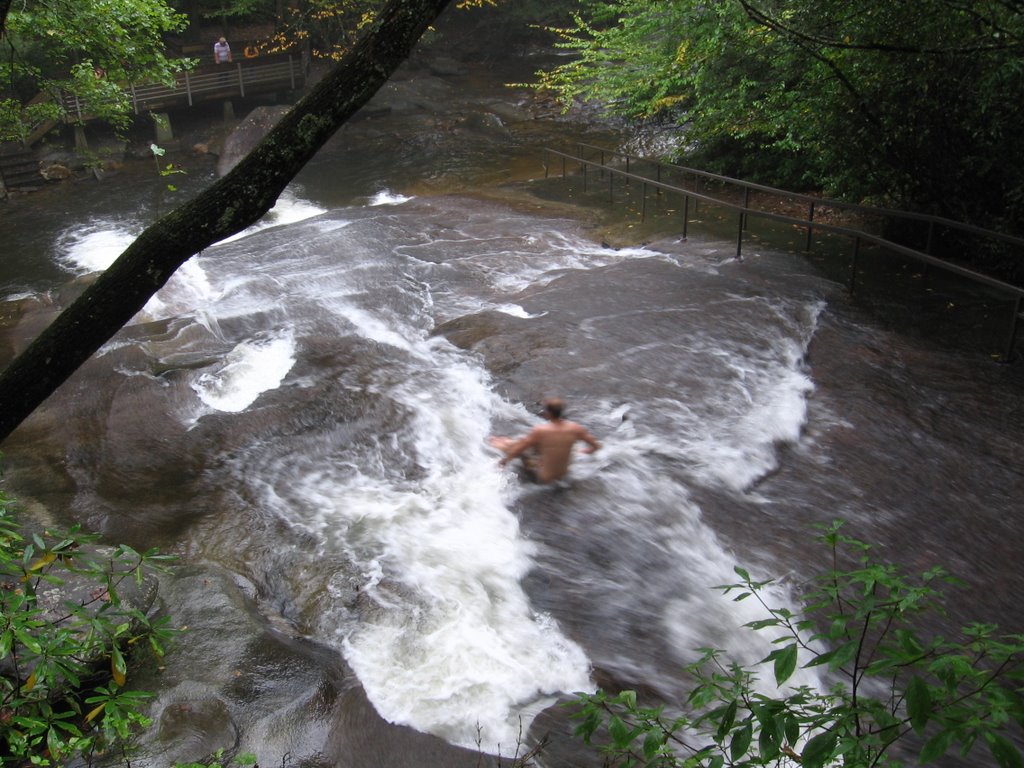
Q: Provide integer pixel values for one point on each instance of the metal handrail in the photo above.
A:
(890, 213)
(858, 236)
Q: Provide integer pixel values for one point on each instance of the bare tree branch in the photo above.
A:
(226, 207)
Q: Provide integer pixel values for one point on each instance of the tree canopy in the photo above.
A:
(90, 50)
(95, 50)
(326, 28)
(907, 104)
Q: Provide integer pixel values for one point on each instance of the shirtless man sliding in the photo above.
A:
(547, 449)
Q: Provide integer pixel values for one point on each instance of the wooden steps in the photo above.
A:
(19, 167)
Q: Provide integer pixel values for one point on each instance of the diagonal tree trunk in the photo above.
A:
(228, 206)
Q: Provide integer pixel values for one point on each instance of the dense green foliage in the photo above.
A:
(96, 50)
(908, 104)
(892, 689)
(91, 50)
(62, 677)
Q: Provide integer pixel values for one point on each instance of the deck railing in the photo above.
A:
(224, 81)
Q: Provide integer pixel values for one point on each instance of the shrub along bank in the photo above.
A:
(70, 613)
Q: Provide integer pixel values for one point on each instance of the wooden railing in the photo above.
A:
(241, 78)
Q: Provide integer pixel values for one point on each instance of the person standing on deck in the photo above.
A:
(222, 52)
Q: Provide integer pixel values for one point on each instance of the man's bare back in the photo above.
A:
(547, 449)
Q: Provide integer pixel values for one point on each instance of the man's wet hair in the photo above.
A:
(554, 406)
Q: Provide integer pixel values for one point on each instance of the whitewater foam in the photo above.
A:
(387, 197)
(250, 369)
(94, 247)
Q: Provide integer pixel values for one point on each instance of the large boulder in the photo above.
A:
(55, 172)
(247, 135)
(243, 679)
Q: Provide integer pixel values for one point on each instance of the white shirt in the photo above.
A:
(221, 52)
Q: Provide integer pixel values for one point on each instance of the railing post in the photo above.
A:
(686, 213)
(611, 187)
(563, 167)
(739, 236)
(583, 170)
(241, 80)
(188, 88)
(926, 269)
(810, 227)
(746, 205)
(547, 161)
(1014, 323)
(853, 266)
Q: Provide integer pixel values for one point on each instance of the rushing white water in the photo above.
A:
(251, 368)
(93, 248)
(456, 645)
(445, 638)
(289, 209)
(387, 197)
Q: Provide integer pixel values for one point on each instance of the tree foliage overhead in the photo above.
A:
(95, 50)
(909, 104)
(328, 27)
(89, 49)
(228, 206)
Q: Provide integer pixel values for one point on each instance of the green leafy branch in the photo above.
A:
(862, 628)
(169, 170)
(65, 635)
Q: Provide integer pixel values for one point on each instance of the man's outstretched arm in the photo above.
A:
(592, 442)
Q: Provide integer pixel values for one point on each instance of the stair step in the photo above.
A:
(22, 179)
(19, 169)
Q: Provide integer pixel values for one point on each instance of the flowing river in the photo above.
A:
(301, 415)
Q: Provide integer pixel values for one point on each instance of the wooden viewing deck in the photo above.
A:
(273, 73)
(248, 77)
